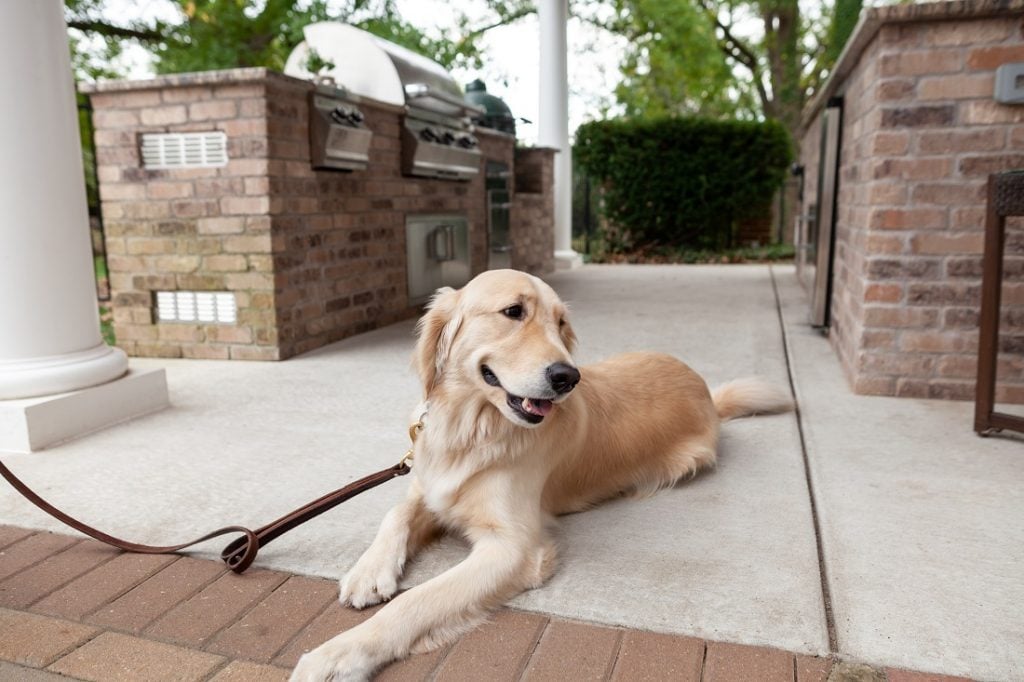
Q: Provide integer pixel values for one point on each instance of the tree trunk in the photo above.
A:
(781, 32)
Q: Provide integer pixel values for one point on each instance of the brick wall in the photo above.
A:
(312, 256)
(532, 221)
(187, 229)
(921, 133)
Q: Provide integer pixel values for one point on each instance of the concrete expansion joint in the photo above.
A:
(830, 623)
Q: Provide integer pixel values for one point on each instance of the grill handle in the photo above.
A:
(422, 91)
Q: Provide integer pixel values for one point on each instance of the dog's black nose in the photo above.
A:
(562, 377)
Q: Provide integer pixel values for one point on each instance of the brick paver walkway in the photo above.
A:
(76, 608)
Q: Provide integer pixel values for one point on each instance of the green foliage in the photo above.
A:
(95, 62)
(748, 59)
(673, 65)
(843, 20)
(315, 62)
(85, 133)
(448, 53)
(106, 314)
(224, 34)
(96, 43)
(681, 181)
(107, 325)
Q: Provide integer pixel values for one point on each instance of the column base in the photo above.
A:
(54, 374)
(31, 424)
(568, 260)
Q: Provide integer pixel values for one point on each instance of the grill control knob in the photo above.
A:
(348, 116)
(429, 134)
(467, 141)
(340, 114)
(448, 138)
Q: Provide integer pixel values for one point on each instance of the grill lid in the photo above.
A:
(368, 66)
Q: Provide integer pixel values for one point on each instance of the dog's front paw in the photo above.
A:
(372, 580)
(333, 662)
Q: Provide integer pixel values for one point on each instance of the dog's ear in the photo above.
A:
(436, 331)
(565, 331)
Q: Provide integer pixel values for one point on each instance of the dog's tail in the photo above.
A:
(745, 397)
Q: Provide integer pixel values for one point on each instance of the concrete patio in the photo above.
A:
(873, 529)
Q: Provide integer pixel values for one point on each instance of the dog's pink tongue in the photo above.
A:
(537, 406)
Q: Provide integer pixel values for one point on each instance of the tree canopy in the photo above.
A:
(673, 64)
(682, 56)
(701, 56)
(219, 34)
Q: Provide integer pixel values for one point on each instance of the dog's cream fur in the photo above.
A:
(634, 424)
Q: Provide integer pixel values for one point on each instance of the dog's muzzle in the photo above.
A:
(561, 377)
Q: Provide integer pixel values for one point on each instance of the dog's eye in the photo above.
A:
(513, 311)
(561, 322)
(489, 376)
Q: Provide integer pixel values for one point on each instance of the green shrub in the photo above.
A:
(681, 181)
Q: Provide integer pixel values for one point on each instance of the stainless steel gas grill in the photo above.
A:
(433, 147)
(437, 135)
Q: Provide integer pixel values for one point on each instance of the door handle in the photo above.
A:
(442, 243)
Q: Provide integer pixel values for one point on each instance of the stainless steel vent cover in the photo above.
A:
(211, 307)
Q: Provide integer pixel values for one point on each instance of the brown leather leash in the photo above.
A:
(240, 552)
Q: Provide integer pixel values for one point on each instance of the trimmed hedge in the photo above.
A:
(682, 181)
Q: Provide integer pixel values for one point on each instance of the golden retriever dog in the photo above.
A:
(513, 435)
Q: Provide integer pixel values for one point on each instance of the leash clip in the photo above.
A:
(414, 432)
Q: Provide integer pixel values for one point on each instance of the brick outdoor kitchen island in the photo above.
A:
(308, 256)
(917, 128)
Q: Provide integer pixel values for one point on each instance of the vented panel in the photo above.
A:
(213, 307)
(184, 150)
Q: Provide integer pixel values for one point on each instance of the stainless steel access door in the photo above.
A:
(825, 220)
(437, 254)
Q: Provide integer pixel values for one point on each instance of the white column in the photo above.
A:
(49, 325)
(553, 126)
(50, 339)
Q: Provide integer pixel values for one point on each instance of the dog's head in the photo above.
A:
(505, 336)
